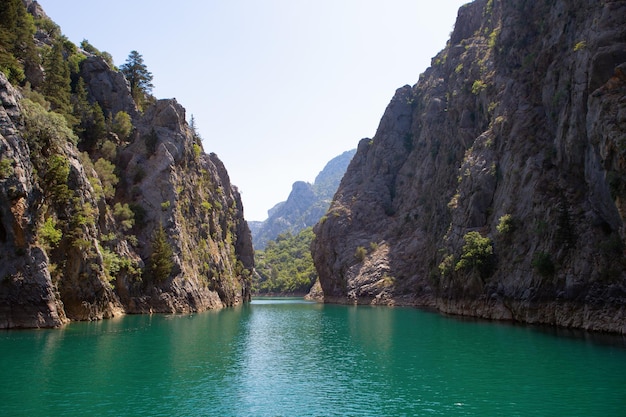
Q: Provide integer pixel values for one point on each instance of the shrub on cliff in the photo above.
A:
(477, 254)
(542, 262)
(122, 125)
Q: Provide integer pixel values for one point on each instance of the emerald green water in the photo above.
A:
(287, 357)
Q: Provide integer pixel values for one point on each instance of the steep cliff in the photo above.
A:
(106, 209)
(305, 205)
(494, 187)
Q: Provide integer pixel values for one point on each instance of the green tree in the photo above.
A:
(138, 76)
(106, 174)
(96, 130)
(124, 215)
(194, 129)
(87, 47)
(122, 125)
(55, 178)
(477, 254)
(161, 260)
(17, 48)
(80, 105)
(56, 86)
(91, 127)
(46, 132)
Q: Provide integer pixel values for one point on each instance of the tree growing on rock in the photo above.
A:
(138, 76)
(161, 260)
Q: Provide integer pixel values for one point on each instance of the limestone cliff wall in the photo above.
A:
(27, 295)
(189, 194)
(515, 133)
(136, 223)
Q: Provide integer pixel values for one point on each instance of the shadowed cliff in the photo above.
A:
(495, 186)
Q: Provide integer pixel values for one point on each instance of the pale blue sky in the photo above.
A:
(277, 87)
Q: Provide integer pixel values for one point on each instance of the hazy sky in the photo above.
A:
(277, 87)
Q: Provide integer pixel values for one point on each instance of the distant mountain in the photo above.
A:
(306, 203)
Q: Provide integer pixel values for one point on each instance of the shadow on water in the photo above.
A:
(599, 338)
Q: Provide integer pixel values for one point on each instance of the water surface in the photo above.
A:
(288, 357)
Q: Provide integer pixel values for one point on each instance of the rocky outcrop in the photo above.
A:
(189, 194)
(305, 205)
(108, 88)
(494, 187)
(147, 223)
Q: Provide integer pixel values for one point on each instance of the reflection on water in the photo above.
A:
(284, 357)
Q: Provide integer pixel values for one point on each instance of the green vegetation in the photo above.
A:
(139, 78)
(6, 168)
(124, 216)
(46, 132)
(477, 254)
(360, 253)
(55, 179)
(161, 260)
(87, 47)
(286, 265)
(446, 267)
(59, 116)
(17, 48)
(108, 150)
(580, 46)
(122, 125)
(57, 82)
(488, 8)
(478, 86)
(197, 150)
(48, 233)
(542, 262)
(493, 38)
(111, 263)
(106, 174)
(506, 226)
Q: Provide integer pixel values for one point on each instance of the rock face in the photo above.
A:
(495, 186)
(189, 194)
(305, 205)
(27, 295)
(144, 223)
(108, 88)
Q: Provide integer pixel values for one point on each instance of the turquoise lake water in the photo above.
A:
(288, 357)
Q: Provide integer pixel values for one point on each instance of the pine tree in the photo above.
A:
(91, 127)
(56, 86)
(16, 40)
(138, 76)
(161, 259)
